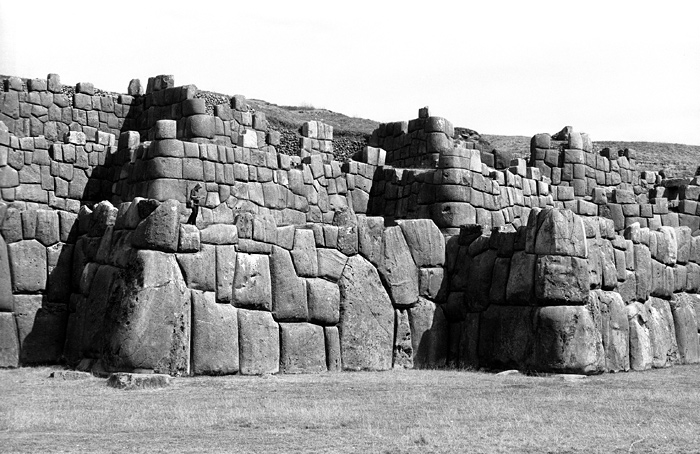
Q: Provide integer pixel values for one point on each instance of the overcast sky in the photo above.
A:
(618, 70)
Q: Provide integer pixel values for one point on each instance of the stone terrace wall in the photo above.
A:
(417, 254)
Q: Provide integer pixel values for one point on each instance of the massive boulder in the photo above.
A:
(149, 317)
(641, 352)
(366, 318)
(685, 322)
(429, 335)
(662, 333)
(425, 241)
(214, 335)
(259, 342)
(397, 268)
(302, 348)
(567, 340)
(615, 330)
(506, 336)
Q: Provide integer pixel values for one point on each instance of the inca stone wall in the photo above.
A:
(422, 251)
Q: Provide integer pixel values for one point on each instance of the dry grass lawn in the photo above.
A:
(389, 412)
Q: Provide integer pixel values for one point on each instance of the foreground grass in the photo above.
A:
(391, 412)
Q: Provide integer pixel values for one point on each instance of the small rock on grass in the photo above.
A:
(124, 380)
(507, 373)
(70, 375)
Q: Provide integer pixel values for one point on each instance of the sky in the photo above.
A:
(618, 70)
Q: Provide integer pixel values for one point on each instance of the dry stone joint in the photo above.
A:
(155, 231)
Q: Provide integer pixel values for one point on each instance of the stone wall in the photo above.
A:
(421, 252)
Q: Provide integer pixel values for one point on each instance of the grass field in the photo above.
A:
(389, 412)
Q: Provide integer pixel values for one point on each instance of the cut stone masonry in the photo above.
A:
(422, 251)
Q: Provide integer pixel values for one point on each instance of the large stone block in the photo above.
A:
(252, 288)
(214, 336)
(6, 302)
(685, 322)
(366, 318)
(304, 253)
(397, 268)
(521, 279)
(477, 296)
(429, 335)
(41, 328)
(643, 271)
(160, 230)
(200, 125)
(641, 352)
(225, 270)
(426, 243)
(614, 330)
(567, 340)
(662, 333)
(323, 301)
(28, 265)
(331, 263)
(60, 259)
(199, 268)
(9, 343)
(468, 349)
(370, 236)
(333, 361)
(346, 221)
(403, 347)
(259, 342)
(506, 336)
(302, 348)
(289, 292)
(149, 317)
(560, 232)
(561, 280)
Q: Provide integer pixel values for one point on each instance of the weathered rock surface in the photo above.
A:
(332, 337)
(478, 289)
(506, 336)
(9, 343)
(302, 348)
(128, 381)
(426, 243)
(252, 288)
(199, 268)
(214, 336)
(41, 329)
(304, 253)
(429, 335)
(259, 342)
(370, 237)
(28, 265)
(686, 326)
(70, 375)
(662, 333)
(567, 340)
(160, 230)
(614, 330)
(366, 318)
(149, 317)
(641, 351)
(289, 292)
(5, 278)
(403, 347)
(323, 301)
(560, 232)
(561, 280)
(398, 269)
